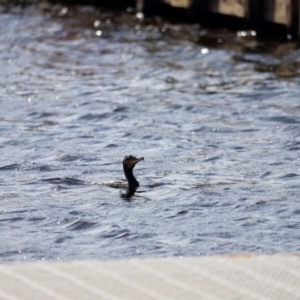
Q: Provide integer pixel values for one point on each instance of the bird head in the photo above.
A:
(130, 161)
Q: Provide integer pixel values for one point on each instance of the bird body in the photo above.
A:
(118, 184)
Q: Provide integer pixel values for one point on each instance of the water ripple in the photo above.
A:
(218, 127)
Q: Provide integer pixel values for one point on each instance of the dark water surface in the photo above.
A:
(219, 127)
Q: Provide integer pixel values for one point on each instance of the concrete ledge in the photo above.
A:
(213, 277)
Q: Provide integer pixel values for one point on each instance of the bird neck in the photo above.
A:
(132, 182)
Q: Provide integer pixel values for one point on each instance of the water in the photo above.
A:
(218, 122)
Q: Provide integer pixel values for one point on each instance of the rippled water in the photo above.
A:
(219, 127)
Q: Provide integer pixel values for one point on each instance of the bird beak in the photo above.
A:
(138, 159)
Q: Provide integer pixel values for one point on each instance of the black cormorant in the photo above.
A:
(129, 163)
